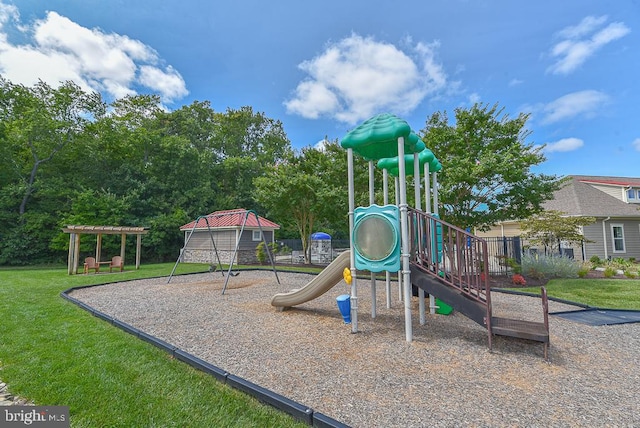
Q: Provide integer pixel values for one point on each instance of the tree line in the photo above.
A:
(69, 157)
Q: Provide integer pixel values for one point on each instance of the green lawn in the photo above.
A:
(55, 353)
(602, 293)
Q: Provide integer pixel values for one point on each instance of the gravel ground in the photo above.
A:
(445, 377)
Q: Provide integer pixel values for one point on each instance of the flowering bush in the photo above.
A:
(518, 279)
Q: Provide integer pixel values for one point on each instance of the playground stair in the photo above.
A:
(477, 311)
(453, 270)
(457, 299)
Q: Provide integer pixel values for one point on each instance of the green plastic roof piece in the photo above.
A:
(377, 138)
(391, 164)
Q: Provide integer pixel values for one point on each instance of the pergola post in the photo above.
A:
(123, 241)
(98, 247)
(138, 249)
(76, 257)
(71, 262)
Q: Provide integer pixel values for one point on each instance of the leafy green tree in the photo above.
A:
(549, 228)
(244, 133)
(247, 144)
(38, 123)
(40, 127)
(291, 196)
(309, 192)
(64, 160)
(486, 175)
(96, 207)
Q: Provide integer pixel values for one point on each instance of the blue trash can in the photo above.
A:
(344, 304)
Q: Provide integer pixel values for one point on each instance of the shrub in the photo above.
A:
(261, 254)
(518, 279)
(595, 260)
(630, 274)
(582, 272)
(545, 266)
(515, 267)
(609, 272)
(621, 263)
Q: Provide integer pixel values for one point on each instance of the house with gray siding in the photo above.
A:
(613, 201)
(227, 230)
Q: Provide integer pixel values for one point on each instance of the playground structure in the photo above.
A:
(436, 257)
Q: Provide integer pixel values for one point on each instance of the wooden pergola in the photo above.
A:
(74, 241)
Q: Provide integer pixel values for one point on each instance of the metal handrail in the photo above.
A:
(453, 255)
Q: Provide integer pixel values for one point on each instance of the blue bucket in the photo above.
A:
(344, 304)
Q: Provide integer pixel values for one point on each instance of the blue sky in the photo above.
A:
(324, 67)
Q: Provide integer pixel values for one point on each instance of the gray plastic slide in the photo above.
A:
(319, 285)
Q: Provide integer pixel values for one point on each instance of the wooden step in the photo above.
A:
(519, 328)
(536, 331)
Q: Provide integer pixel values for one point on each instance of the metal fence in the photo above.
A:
(503, 253)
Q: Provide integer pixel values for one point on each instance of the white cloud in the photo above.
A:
(636, 144)
(8, 12)
(583, 103)
(578, 43)
(515, 82)
(321, 145)
(61, 50)
(564, 145)
(474, 98)
(358, 77)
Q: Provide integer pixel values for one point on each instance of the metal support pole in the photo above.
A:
(418, 197)
(385, 191)
(372, 200)
(432, 300)
(404, 230)
(427, 189)
(354, 286)
(399, 274)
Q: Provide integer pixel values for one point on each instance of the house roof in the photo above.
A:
(578, 197)
(615, 181)
(230, 219)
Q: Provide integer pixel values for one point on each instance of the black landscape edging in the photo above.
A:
(264, 395)
(98, 314)
(158, 343)
(201, 365)
(293, 408)
(126, 327)
(320, 420)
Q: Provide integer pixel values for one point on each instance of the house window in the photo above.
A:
(617, 234)
(633, 195)
(257, 235)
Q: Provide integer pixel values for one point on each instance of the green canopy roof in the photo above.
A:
(377, 138)
(424, 157)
